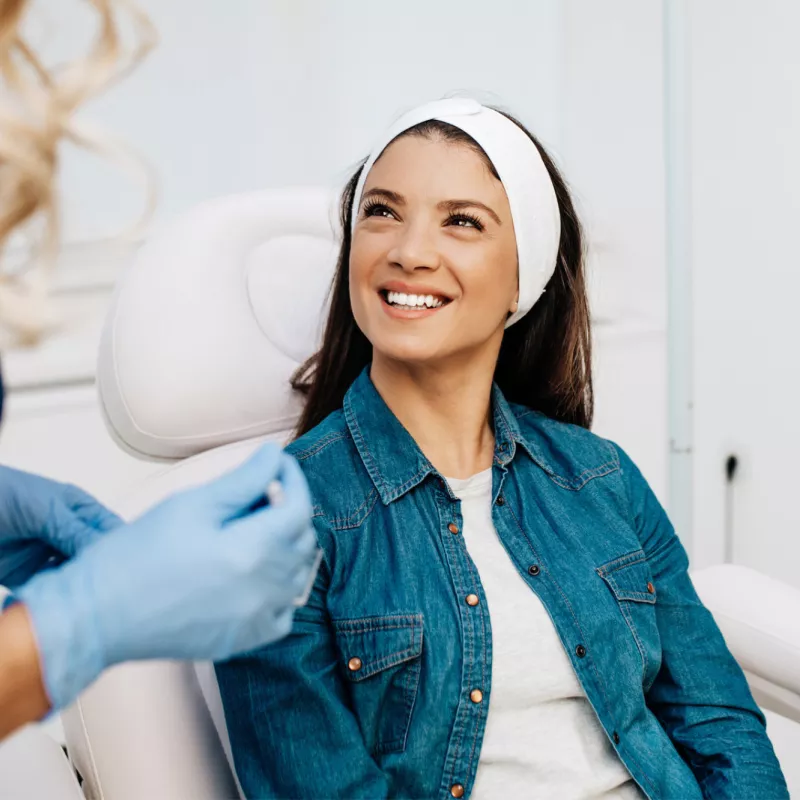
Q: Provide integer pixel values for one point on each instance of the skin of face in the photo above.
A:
(433, 220)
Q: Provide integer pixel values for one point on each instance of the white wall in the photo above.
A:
(746, 129)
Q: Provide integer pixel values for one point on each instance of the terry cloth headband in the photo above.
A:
(530, 192)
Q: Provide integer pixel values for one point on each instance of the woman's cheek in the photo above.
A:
(490, 285)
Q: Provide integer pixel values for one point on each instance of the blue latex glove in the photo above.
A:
(206, 574)
(43, 523)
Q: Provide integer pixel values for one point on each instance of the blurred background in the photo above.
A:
(681, 144)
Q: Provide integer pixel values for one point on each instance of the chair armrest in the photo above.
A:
(759, 617)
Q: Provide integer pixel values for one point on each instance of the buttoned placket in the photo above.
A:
(463, 750)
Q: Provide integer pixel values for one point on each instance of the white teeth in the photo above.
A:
(414, 300)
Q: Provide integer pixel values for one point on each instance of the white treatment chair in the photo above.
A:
(205, 329)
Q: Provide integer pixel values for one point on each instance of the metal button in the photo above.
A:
(354, 664)
(651, 588)
(472, 600)
(580, 651)
(457, 790)
(452, 527)
(533, 569)
(501, 501)
(476, 695)
(615, 737)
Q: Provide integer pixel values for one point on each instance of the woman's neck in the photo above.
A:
(446, 411)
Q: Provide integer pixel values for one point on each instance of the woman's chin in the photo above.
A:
(410, 353)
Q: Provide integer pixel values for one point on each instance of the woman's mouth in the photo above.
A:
(410, 305)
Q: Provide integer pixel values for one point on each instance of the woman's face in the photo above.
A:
(433, 262)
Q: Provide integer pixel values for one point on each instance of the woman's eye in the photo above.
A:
(462, 221)
(378, 210)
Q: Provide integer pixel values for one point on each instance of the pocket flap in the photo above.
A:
(371, 644)
(629, 578)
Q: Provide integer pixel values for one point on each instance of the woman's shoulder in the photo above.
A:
(570, 453)
(321, 437)
(574, 455)
(341, 489)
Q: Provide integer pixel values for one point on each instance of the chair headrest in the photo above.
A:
(212, 318)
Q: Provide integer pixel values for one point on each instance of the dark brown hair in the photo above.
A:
(545, 358)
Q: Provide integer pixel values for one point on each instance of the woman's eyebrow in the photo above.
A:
(457, 205)
(394, 197)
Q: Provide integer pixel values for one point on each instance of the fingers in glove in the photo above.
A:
(275, 529)
(239, 490)
(72, 535)
(90, 510)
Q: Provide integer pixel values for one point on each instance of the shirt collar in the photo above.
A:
(391, 456)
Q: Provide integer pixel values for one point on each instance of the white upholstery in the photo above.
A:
(212, 318)
(205, 330)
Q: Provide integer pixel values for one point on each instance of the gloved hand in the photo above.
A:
(206, 574)
(43, 522)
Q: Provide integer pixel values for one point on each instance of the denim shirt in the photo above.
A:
(369, 696)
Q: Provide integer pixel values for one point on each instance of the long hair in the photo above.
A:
(545, 358)
(36, 115)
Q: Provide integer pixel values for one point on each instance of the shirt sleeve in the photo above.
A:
(700, 696)
(292, 730)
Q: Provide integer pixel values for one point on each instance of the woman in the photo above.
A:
(504, 609)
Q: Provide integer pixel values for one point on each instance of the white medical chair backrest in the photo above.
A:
(212, 318)
(204, 331)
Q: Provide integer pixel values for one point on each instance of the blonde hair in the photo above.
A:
(36, 114)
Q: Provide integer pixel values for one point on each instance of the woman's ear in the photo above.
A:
(515, 304)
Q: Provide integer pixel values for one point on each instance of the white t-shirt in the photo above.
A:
(542, 739)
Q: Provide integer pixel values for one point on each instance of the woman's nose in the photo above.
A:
(415, 249)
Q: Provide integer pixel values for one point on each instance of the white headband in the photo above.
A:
(530, 192)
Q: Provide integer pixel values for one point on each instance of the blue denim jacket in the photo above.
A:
(369, 697)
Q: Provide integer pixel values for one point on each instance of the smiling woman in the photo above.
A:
(455, 209)
(503, 604)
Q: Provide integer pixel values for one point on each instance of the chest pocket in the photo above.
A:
(631, 581)
(380, 658)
